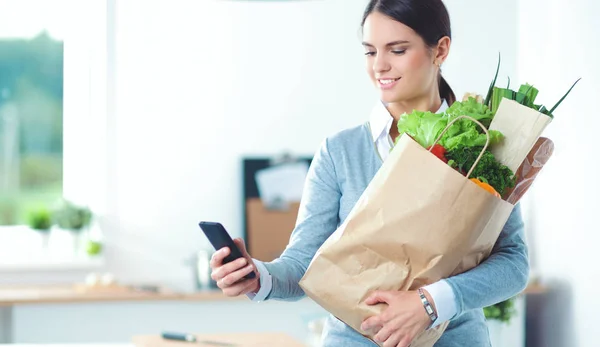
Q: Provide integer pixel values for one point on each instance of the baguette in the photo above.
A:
(530, 167)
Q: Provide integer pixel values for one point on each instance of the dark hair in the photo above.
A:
(428, 18)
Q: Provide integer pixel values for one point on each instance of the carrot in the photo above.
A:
(486, 186)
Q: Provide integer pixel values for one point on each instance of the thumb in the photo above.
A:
(378, 296)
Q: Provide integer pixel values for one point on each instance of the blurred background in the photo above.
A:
(124, 123)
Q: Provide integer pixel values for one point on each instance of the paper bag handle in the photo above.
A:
(487, 139)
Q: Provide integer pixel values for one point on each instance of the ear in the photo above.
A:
(442, 50)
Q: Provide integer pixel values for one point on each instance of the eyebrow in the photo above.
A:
(393, 43)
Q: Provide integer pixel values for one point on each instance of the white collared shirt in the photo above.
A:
(380, 123)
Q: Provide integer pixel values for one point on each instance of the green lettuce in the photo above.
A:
(425, 127)
(465, 132)
(471, 108)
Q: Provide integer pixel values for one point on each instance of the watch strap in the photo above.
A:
(428, 308)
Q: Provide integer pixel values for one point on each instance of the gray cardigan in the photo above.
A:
(341, 170)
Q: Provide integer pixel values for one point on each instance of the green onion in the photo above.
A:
(542, 109)
(521, 98)
(530, 92)
(561, 99)
(490, 90)
(525, 96)
(498, 94)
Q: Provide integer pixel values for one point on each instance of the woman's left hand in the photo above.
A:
(401, 321)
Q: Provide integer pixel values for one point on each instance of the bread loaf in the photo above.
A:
(534, 162)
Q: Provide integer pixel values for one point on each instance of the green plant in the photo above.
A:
(40, 219)
(502, 311)
(70, 216)
(93, 247)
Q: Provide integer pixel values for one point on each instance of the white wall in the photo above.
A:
(199, 84)
(474, 53)
(557, 45)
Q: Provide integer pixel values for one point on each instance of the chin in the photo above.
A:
(389, 97)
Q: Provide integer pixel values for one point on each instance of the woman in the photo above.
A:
(406, 42)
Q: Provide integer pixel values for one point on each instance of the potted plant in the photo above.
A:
(502, 311)
(73, 218)
(40, 220)
(500, 320)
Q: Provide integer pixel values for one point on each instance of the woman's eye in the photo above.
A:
(370, 53)
(399, 52)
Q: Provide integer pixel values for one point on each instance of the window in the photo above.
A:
(53, 119)
(31, 114)
(53, 57)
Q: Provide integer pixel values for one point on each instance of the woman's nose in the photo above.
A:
(380, 64)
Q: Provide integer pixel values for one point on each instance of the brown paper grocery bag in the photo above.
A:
(522, 126)
(413, 225)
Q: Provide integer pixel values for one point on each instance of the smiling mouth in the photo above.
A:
(387, 83)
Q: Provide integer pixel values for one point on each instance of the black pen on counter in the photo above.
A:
(179, 337)
(192, 338)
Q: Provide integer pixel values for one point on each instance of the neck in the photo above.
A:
(431, 103)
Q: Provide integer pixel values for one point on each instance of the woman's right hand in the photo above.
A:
(230, 276)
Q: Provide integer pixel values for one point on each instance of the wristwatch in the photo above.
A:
(430, 311)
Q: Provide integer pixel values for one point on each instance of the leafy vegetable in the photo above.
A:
(498, 94)
(425, 127)
(490, 90)
(561, 99)
(530, 94)
(471, 108)
(499, 176)
(466, 133)
(525, 96)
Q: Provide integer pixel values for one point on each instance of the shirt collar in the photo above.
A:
(381, 120)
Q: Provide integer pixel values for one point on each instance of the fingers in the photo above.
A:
(388, 332)
(384, 334)
(242, 246)
(371, 323)
(230, 277)
(240, 288)
(224, 270)
(391, 332)
(404, 342)
(394, 341)
(234, 277)
(379, 296)
(217, 258)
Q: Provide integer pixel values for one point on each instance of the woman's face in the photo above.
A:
(398, 61)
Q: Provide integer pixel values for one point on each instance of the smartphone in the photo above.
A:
(219, 238)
